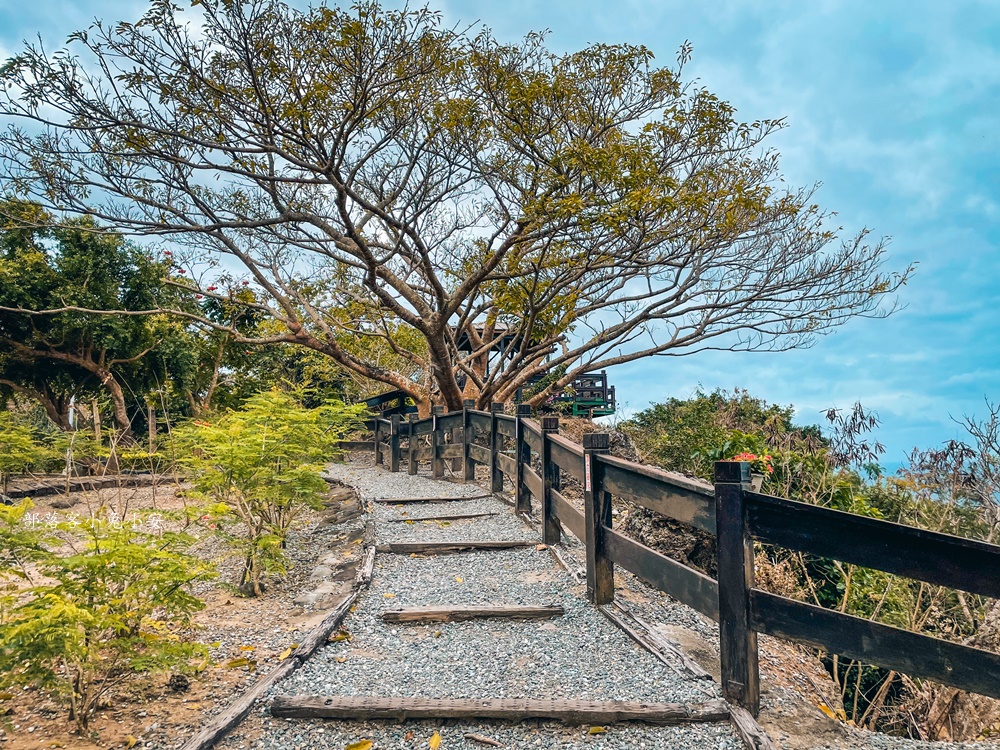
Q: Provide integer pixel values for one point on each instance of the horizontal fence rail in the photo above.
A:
(529, 460)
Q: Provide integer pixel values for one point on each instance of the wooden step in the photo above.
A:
(444, 548)
(452, 517)
(406, 500)
(363, 708)
(417, 615)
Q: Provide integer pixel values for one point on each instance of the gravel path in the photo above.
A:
(579, 655)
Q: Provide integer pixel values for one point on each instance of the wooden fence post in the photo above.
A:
(468, 438)
(376, 433)
(496, 446)
(551, 528)
(738, 639)
(597, 506)
(437, 442)
(458, 462)
(522, 458)
(411, 446)
(394, 443)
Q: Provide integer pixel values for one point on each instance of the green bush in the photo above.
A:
(258, 468)
(110, 611)
(20, 448)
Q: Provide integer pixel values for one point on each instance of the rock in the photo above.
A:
(321, 573)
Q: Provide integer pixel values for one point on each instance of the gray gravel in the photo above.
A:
(503, 525)
(535, 659)
(579, 655)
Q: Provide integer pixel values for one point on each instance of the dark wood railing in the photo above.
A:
(512, 446)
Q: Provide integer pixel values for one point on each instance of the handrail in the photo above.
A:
(732, 513)
(672, 495)
(942, 559)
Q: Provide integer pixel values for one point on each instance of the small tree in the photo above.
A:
(260, 467)
(106, 613)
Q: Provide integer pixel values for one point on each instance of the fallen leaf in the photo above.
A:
(130, 741)
(193, 706)
(201, 666)
(340, 635)
(6, 696)
(411, 522)
(236, 663)
(460, 579)
(434, 742)
(389, 596)
(360, 745)
(597, 730)
(437, 633)
(826, 709)
(540, 547)
(340, 659)
(285, 654)
(409, 736)
(247, 648)
(216, 644)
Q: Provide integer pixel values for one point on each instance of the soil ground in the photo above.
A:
(146, 711)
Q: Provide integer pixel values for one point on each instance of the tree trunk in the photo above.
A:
(113, 387)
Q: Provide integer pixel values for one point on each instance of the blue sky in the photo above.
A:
(891, 105)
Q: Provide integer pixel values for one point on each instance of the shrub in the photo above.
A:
(109, 611)
(259, 467)
(20, 449)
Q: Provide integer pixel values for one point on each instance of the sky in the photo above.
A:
(890, 105)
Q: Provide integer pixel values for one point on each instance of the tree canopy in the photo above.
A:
(53, 357)
(406, 197)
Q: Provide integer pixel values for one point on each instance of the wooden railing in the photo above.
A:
(532, 461)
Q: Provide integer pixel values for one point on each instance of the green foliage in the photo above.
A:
(258, 467)
(20, 448)
(110, 610)
(688, 435)
(80, 265)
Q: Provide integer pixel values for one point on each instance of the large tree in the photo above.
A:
(391, 184)
(53, 357)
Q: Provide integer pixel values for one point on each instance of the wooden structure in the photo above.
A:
(532, 462)
(461, 614)
(362, 708)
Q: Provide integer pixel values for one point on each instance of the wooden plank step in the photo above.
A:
(452, 517)
(460, 614)
(443, 548)
(363, 708)
(405, 500)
